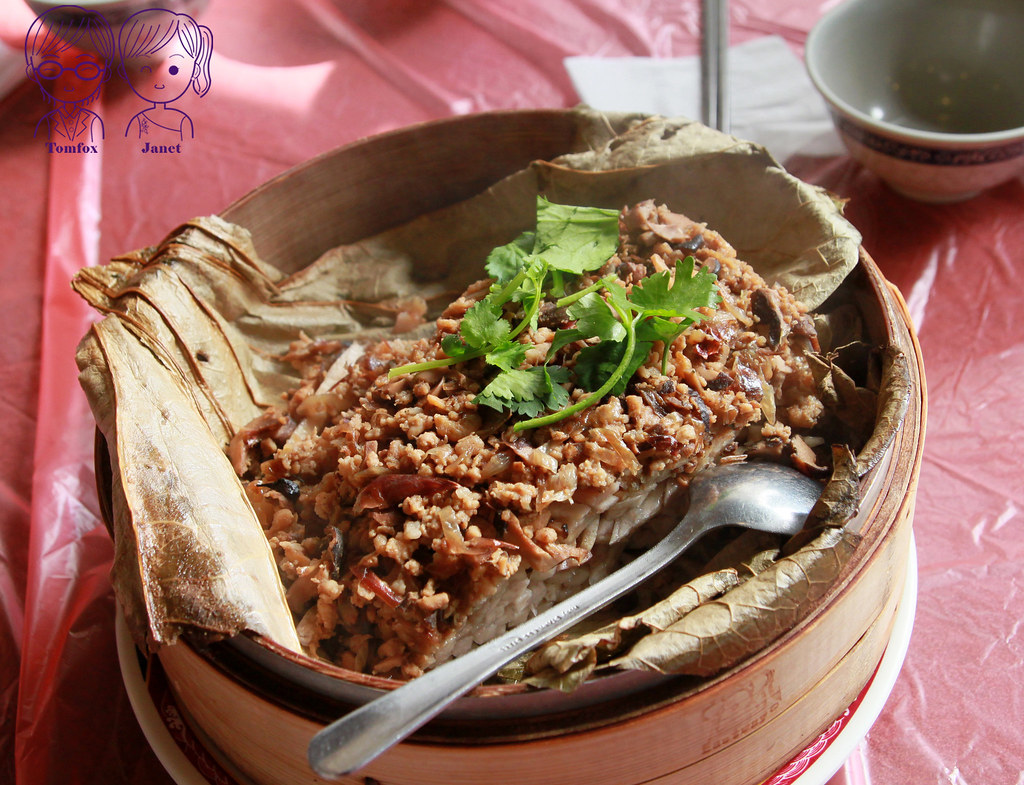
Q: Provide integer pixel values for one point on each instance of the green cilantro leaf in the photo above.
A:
(505, 261)
(617, 297)
(575, 239)
(454, 347)
(482, 325)
(596, 364)
(657, 328)
(660, 295)
(528, 391)
(557, 396)
(530, 293)
(661, 299)
(594, 319)
(507, 356)
(564, 337)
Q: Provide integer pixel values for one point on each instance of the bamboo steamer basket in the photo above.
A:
(256, 706)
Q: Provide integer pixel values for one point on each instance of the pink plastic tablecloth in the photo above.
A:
(288, 84)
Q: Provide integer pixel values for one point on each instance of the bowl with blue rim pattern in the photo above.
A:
(927, 94)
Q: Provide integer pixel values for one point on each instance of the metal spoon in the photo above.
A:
(760, 496)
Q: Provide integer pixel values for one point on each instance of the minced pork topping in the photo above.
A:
(396, 507)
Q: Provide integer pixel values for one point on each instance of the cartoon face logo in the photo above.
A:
(162, 77)
(163, 54)
(69, 75)
(67, 53)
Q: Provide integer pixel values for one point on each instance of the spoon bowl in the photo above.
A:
(762, 496)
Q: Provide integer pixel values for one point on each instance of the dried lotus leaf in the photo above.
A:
(198, 340)
(865, 417)
(743, 550)
(839, 501)
(215, 261)
(720, 633)
(768, 222)
(791, 232)
(565, 664)
(440, 252)
(618, 141)
(893, 401)
(147, 320)
(97, 383)
(184, 297)
(781, 592)
(839, 326)
(373, 271)
(850, 407)
(201, 555)
(228, 245)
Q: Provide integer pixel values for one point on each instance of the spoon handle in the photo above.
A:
(354, 740)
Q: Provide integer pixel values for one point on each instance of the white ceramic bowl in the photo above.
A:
(928, 94)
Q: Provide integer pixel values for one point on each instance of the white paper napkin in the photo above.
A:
(771, 98)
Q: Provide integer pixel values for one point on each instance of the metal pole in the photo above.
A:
(713, 62)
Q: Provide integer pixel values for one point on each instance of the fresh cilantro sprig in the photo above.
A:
(619, 328)
(660, 308)
(529, 391)
(568, 240)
